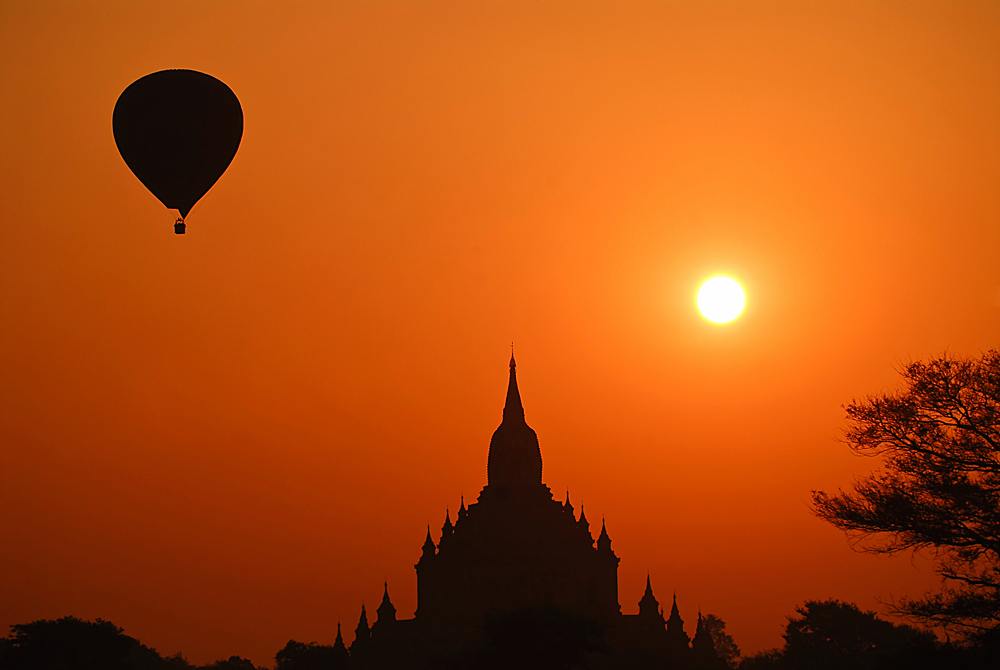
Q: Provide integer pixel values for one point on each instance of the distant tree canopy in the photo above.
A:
(231, 663)
(309, 656)
(70, 643)
(725, 645)
(76, 644)
(833, 635)
(829, 635)
(939, 439)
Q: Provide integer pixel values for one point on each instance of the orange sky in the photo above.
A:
(227, 439)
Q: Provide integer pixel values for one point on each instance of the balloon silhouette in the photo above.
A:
(178, 131)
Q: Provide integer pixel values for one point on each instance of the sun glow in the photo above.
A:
(721, 299)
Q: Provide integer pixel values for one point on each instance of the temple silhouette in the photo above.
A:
(517, 580)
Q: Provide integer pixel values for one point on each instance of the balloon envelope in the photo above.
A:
(178, 131)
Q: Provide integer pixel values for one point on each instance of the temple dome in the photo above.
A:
(515, 459)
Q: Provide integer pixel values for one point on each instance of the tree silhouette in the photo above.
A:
(231, 663)
(725, 645)
(74, 644)
(939, 439)
(311, 656)
(769, 659)
(833, 635)
(830, 635)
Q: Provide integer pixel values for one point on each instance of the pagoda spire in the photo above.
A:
(340, 655)
(703, 646)
(673, 608)
(429, 546)
(448, 528)
(584, 523)
(339, 648)
(604, 540)
(676, 637)
(363, 632)
(512, 409)
(386, 611)
(515, 460)
(649, 606)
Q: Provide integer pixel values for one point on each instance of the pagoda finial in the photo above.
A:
(513, 410)
(515, 460)
(604, 543)
(339, 648)
(677, 639)
(702, 644)
(363, 631)
(429, 547)
(648, 605)
(604, 540)
(386, 611)
(584, 524)
(448, 528)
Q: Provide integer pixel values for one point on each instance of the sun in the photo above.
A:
(721, 299)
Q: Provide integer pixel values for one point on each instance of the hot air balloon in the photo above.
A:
(178, 131)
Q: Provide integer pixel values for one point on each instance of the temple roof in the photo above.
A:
(648, 605)
(386, 611)
(515, 459)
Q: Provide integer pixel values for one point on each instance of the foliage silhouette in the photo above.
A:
(311, 656)
(725, 645)
(70, 643)
(939, 439)
(769, 659)
(76, 644)
(231, 663)
(832, 634)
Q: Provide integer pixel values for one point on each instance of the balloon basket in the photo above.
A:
(179, 226)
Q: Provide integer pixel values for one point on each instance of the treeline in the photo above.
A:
(70, 643)
(821, 635)
(833, 635)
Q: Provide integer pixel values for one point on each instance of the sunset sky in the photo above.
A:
(227, 439)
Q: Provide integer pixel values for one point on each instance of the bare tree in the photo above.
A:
(938, 488)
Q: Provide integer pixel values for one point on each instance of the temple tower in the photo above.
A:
(677, 639)
(515, 548)
(515, 459)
